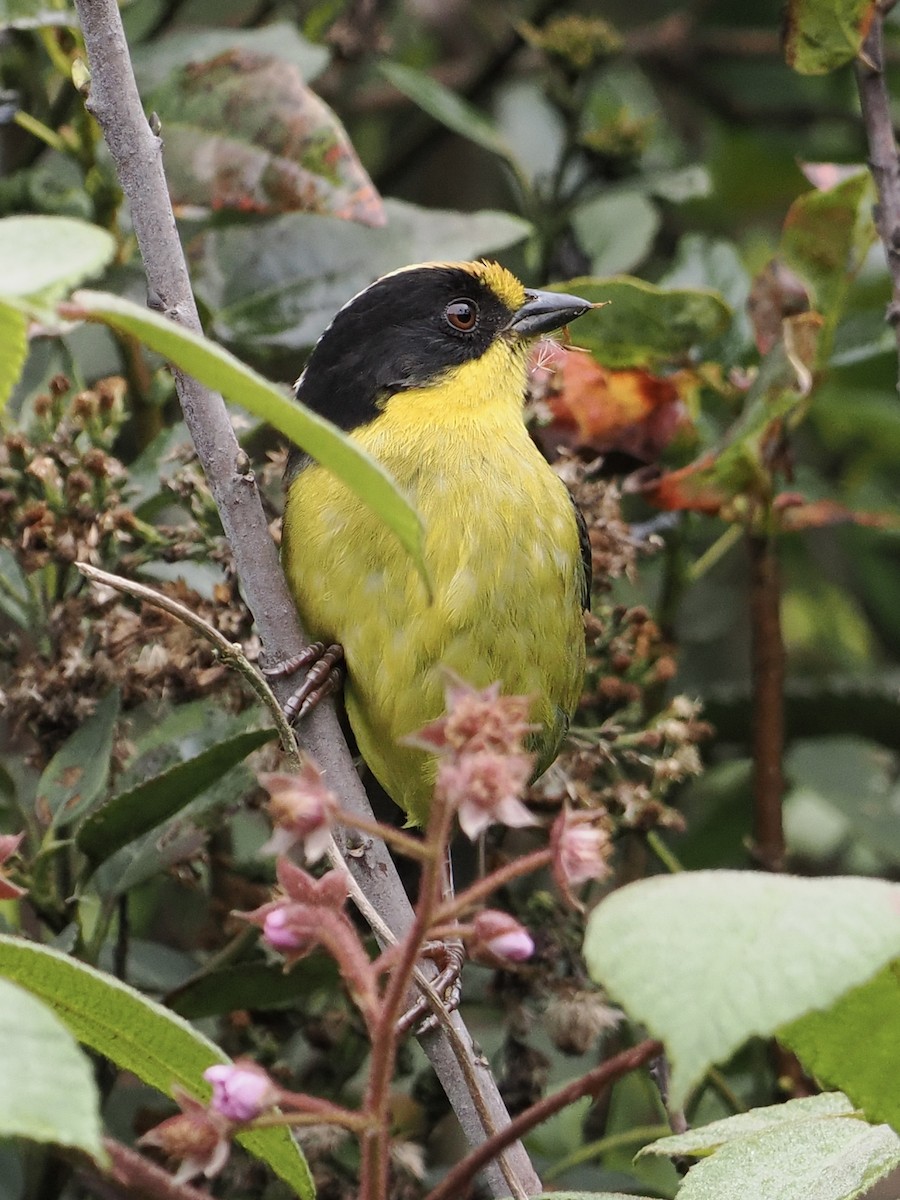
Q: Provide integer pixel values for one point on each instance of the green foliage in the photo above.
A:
(138, 1036)
(815, 1148)
(745, 364)
(742, 955)
(50, 1095)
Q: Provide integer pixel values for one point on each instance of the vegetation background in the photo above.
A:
(733, 435)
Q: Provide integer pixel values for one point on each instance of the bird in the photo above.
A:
(426, 369)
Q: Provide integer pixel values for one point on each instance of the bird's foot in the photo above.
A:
(449, 957)
(324, 676)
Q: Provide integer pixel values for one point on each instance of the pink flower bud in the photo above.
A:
(498, 939)
(241, 1090)
(283, 932)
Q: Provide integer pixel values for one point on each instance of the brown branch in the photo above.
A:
(135, 1177)
(768, 702)
(136, 151)
(876, 110)
(588, 1085)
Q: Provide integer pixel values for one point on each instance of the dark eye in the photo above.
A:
(462, 315)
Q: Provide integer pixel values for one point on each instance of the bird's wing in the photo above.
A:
(586, 561)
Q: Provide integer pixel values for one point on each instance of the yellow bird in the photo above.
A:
(426, 369)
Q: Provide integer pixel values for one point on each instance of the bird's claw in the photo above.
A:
(324, 676)
(450, 957)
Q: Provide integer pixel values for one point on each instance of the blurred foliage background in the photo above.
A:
(742, 408)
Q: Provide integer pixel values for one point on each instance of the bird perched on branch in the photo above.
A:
(426, 369)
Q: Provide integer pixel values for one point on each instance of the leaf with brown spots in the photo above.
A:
(243, 132)
(821, 35)
(75, 778)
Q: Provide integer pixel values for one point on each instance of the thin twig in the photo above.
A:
(454, 1183)
(136, 151)
(876, 110)
(134, 1175)
(231, 653)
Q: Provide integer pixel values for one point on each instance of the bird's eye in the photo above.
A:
(462, 315)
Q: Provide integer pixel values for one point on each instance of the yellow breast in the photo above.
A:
(502, 550)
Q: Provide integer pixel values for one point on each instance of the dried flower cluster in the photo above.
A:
(65, 497)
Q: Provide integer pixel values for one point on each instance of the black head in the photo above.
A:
(410, 328)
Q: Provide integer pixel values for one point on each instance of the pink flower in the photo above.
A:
(302, 809)
(484, 788)
(581, 846)
(477, 720)
(9, 845)
(198, 1138)
(499, 940)
(241, 1090)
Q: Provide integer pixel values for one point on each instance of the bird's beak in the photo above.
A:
(543, 312)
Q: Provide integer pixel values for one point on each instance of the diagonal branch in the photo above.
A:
(137, 153)
(883, 162)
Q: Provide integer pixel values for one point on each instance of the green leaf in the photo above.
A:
(837, 1158)
(50, 1094)
(645, 325)
(218, 369)
(616, 231)
(135, 812)
(255, 986)
(77, 773)
(446, 107)
(276, 285)
(826, 237)
(156, 60)
(140, 1036)
(855, 1045)
(45, 256)
(741, 955)
(707, 1138)
(244, 133)
(13, 348)
(821, 35)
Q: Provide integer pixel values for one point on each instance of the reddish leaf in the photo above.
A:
(242, 131)
(693, 488)
(795, 513)
(594, 408)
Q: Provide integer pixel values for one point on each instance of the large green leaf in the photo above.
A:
(644, 325)
(13, 348)
(813, 1148)
(49, 1093)
(76, 774)
(706, 1138)
(616, 230)
(44, 256)
(275, 286)
(837, 1158)
(821, 35)
(218, 369)
(708, 959)
(855, 1045)
(140, 1036)
(135, 812)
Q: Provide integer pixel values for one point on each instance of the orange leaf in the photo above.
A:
(629, 411)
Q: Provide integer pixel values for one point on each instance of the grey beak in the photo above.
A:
(543, 312)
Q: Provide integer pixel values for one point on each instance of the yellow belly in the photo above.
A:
(503, 555)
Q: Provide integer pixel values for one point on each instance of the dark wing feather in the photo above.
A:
(586, 561)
